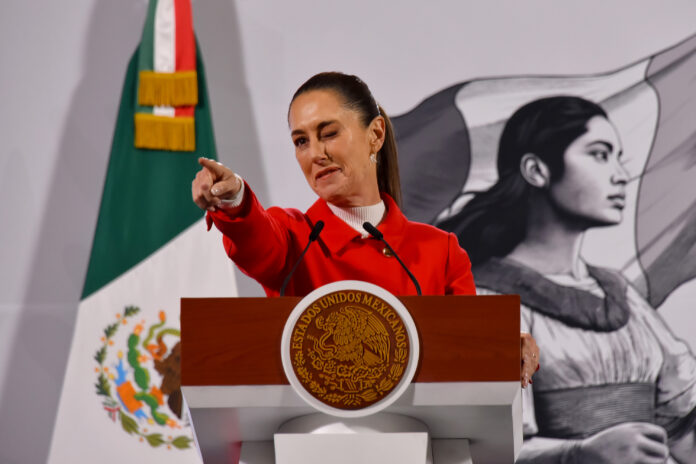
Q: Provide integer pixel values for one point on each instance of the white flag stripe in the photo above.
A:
(488, 101)
(165, 40)
(164, 46)
(191, 265)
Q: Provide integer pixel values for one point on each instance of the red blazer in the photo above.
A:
(266, 243)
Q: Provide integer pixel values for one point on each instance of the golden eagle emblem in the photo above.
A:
(353, 334)
(349, 349)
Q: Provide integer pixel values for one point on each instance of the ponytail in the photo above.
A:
(388, 163)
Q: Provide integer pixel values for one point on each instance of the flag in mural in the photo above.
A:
(448, 146)
(121, 398)
(609, 359)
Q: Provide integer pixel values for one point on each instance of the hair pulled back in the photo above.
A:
(357, 97)
(494, 222)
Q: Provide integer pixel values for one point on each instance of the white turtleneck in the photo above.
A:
(354, 217)
(357, 215)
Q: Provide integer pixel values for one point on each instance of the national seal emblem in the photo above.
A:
(349, 348)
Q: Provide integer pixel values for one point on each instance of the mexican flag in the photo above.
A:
(121, 398)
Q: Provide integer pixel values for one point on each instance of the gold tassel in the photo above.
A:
(164, 132)
(168, 89)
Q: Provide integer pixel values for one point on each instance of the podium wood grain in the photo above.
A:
(236, 341)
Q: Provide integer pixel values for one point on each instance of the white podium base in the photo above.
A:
(382, 437)
(452, 451)
(355, 448)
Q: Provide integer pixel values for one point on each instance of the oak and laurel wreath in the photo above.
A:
(103, 387)
(353, 399)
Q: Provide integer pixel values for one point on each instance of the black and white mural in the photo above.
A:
(579, 194)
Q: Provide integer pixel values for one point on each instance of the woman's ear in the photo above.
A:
(535, 171)
(376, 132)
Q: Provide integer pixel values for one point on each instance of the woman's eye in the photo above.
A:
(299, 141)
(601, 155)
(329, 134)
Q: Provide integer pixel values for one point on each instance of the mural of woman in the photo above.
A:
(615, 385)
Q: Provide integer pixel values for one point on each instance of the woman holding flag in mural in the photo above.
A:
(345, 147)
(616, 386)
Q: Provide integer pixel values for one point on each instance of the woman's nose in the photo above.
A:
(319, 153)
(620, 175)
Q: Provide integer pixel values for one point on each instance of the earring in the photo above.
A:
(373, 158)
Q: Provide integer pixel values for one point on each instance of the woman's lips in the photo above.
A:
(618, 201)
(325, 173)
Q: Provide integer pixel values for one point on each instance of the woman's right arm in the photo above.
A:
(255, 239)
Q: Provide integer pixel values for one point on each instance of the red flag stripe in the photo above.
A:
(183, 111)
(185, 42)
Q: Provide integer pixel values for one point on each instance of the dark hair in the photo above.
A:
(357, 96)
(494, 222)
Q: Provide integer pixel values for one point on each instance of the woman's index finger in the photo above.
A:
(218, 169)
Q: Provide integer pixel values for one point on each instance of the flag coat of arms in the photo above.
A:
(121, 398)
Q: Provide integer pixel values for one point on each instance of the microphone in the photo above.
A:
(316, 230)
(372, 230)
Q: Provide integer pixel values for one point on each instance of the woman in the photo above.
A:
(616, 386)
(345, 147)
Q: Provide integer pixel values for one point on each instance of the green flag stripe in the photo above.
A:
(147, 193)
(146, 56)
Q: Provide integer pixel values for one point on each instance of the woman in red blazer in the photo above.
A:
(345, 146)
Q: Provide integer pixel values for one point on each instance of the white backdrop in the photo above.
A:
(61, 70)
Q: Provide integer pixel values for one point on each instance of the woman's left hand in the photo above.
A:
(530, 358)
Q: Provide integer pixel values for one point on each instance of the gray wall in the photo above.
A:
(61, 70)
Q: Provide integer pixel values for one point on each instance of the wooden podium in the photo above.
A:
(467, 386)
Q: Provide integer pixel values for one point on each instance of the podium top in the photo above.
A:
(236, 341)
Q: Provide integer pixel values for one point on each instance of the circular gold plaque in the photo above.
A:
(349, 349)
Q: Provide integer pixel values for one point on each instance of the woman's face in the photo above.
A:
(592, 188)
(333, 148)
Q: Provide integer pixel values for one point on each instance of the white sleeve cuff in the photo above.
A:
(236, 200)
